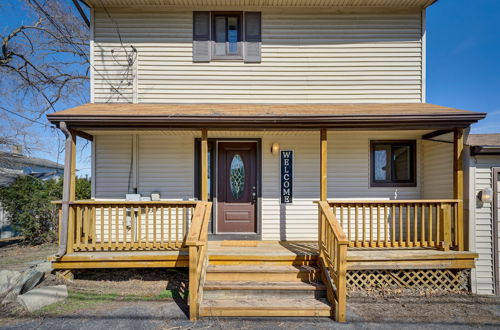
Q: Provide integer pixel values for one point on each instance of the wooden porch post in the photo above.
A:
(458, 182)
(323, 184)
(204, 165)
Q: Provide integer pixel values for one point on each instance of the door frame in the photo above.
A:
(213, 235)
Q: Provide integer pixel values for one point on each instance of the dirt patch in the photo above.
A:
(425, 307)
(16, 256)
(141, 282)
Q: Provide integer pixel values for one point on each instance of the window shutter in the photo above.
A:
(201, 36)
(253, 37)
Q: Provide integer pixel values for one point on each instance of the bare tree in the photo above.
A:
(44, 65)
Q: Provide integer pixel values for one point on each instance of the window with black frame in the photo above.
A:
(393, 163)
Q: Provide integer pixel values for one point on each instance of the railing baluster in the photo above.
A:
(125, 243)
(101, 243)
(117, 227)
(162, 229)
(378, 224)
(431, 234)
(110, 225)
(176, 226)
(422, 233)
(386, 226)
(169, 226)
(146, 243)
(393, 237)
(364, 225)
(349, 221)
(415, 223)
(438, 224)
(154, 228)
(400, 224)
(371, 225)
(408, 224)
(78, 238)
(356, 225)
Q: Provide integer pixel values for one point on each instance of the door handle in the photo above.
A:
(254, 197)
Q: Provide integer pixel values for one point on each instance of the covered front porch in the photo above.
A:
(345, 220)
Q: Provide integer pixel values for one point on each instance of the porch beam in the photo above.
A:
(204, 165)
(458, 182)
(323, 184)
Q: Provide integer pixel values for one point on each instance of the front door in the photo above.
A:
(236, 187)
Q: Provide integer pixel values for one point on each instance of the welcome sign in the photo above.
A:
(286, 176)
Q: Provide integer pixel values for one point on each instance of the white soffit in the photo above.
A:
(266, 3)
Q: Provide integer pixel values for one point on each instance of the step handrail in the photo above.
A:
(197, 243)
(332, 259)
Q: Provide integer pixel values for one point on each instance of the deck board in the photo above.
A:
(273, 252)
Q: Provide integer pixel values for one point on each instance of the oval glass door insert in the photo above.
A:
(237, 176)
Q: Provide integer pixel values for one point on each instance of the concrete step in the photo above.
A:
(256, 290)
(258, 273)
(265, 307)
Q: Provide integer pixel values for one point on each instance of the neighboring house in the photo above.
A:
(267, 127)
(484, 210)
(14, 164)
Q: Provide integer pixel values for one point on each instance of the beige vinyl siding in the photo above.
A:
(113, 166)
(437, 170)
(166, 164)
(483, 219)
(349, 165)
(308, 56)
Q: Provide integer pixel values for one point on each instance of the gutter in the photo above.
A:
(485, 150)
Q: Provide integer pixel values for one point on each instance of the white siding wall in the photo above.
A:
(166, 164)
(308, 56)
(483, 220)
(113, 165)
(437, 170)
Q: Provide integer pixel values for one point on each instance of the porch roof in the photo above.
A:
(265, 116)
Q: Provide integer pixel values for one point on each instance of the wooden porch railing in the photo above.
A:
(196, 240)
(400, 223)
(332, 259)
(120, 225)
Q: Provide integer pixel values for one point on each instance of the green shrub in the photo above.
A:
(29, 209)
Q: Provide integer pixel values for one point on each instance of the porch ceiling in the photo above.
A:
(265, 116)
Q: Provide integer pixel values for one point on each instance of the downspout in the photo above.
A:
(63, 243)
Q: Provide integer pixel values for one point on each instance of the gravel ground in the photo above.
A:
(168, 315)
(155, 299)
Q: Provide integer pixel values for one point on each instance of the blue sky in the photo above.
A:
(463, 60)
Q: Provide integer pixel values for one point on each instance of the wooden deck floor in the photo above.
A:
(273, 252)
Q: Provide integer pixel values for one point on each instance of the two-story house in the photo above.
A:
(278, 148)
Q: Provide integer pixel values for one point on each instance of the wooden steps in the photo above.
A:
(265, 307)
(266, 273)
(263, 290)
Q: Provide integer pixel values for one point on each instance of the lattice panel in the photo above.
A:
(427, 279)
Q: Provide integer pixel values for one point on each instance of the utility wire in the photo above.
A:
(24, 117)
(76, 47)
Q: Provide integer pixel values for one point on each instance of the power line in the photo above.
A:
(24, 117)
(76, 47)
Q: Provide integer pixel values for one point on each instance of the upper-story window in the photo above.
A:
(393, 163)
(226, 36)
(226, 33)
